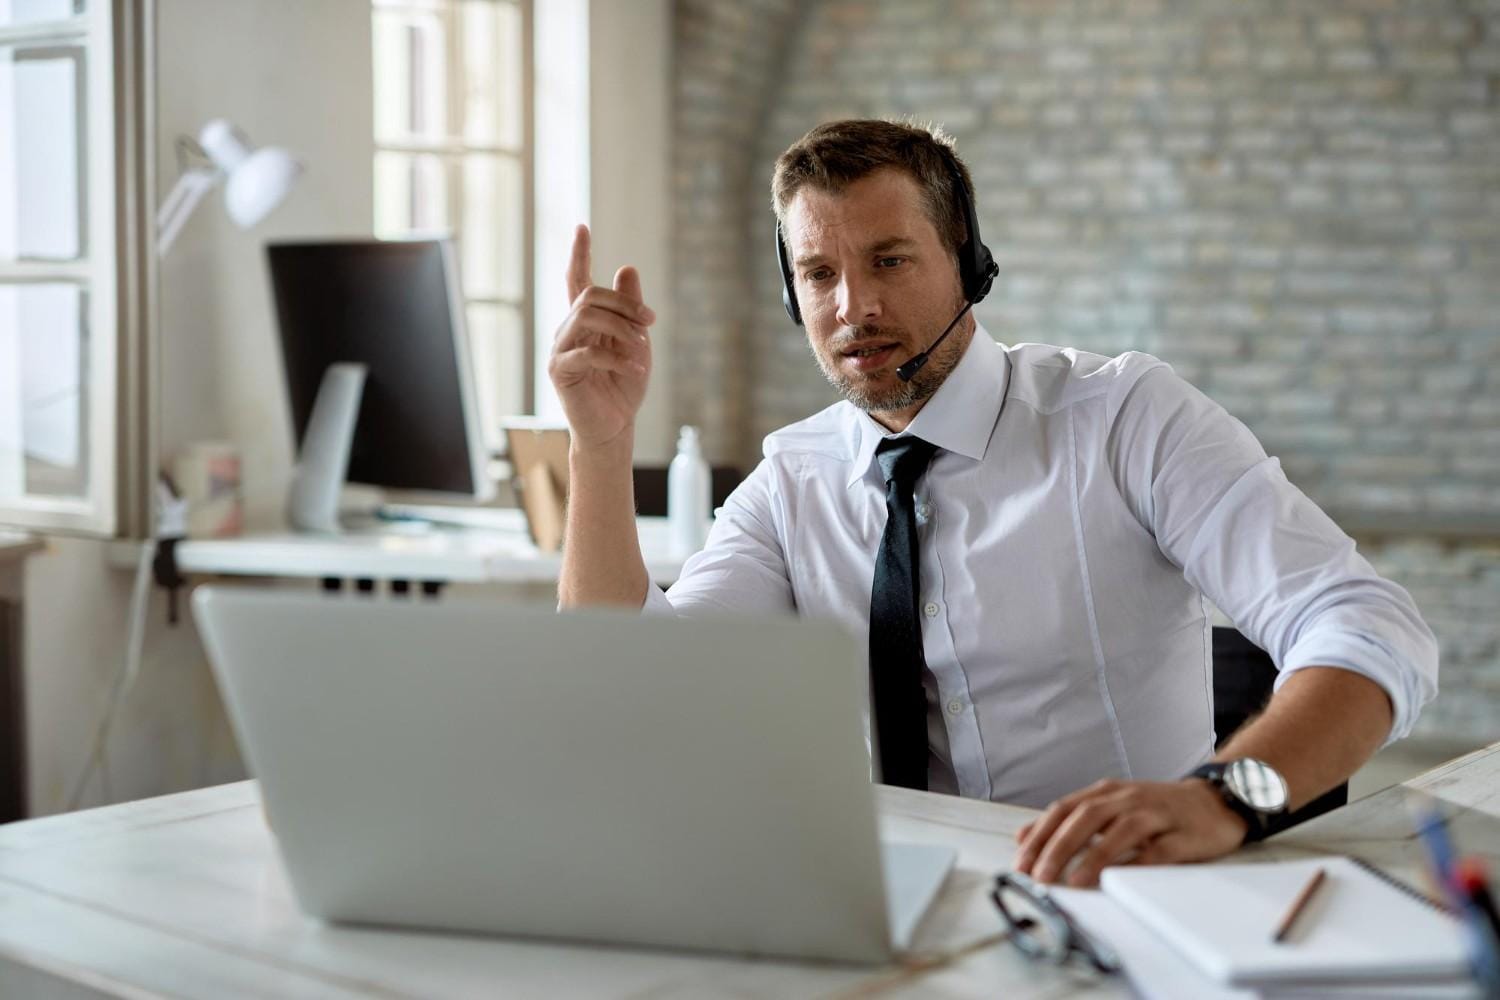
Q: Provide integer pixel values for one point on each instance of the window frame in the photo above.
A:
(451, 149)
(115, 271)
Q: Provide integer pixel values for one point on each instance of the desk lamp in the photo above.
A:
(255, 180)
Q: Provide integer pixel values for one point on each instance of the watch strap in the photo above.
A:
(1257, 823)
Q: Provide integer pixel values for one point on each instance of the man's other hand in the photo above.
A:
(1126, 822)
(601, 358)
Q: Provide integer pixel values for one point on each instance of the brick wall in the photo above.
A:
(728, 56)
(1457, 586)
(1297, 204)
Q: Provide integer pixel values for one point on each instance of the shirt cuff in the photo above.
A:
(1408, 683)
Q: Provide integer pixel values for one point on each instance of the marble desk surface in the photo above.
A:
(183, 896)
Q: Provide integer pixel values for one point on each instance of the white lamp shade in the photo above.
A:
(225, 144)
(258, 183)
(255, 181)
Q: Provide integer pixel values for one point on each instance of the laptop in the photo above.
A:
(476, 766)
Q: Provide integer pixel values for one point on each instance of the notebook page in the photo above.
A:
(1155, 971)
(1222, 917)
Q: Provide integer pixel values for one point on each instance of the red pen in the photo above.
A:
(1469, 878)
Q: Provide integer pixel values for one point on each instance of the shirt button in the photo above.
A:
(955, 707)
(930, 609)
(924, 511)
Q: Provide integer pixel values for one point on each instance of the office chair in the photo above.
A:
(1243, 677)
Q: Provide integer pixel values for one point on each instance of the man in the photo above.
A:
(1026, 534)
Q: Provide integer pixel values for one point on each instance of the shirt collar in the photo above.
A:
(959, 417)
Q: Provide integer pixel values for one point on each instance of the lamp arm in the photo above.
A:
(180, 203)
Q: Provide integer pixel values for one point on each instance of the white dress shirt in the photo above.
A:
(1079, 511)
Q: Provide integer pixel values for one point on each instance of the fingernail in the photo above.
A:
(647, 316)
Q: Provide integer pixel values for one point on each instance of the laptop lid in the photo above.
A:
(478, 766)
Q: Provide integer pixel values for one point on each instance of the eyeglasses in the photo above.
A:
(1041, 929)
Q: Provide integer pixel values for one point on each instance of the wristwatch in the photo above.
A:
(1251, 788)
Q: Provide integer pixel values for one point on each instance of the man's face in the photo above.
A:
(876, 286)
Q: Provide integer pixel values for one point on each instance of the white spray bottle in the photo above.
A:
(688, 496)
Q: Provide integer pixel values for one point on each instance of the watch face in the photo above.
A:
(1257, 785)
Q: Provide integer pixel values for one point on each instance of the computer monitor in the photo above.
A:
(395, 308)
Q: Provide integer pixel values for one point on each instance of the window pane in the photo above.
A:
(499, 358)
(41, 152)
(411, 194)
(43, 402)
(492, 236)
(411, 75)
(492, 72)
(32, 11)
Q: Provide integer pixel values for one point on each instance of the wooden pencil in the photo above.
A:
(1298, 905)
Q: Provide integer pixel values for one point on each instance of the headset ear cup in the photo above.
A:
(987, 270)
(977, 267)
(977, 270)
(788, 290)
(789, 303)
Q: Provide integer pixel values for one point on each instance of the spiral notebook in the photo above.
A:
(1361, 926)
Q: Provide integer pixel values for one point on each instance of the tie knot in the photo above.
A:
(904, 459)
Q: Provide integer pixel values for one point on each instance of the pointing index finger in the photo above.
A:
(580, 265)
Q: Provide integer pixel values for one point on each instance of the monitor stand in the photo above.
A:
(323, 462)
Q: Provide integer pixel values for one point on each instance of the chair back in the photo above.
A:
(1244, 675)
(651, 488)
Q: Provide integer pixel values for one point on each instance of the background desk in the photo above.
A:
(501, 551)
(182, 896)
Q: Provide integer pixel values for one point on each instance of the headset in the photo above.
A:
(976, 269)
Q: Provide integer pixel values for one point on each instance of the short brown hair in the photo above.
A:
(835, 154)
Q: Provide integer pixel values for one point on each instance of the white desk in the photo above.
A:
(182, 896)
(500, 553)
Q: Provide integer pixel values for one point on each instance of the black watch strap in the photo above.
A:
(1257, 823)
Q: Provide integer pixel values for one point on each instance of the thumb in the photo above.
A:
(628, 283)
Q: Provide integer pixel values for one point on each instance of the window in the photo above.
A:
(452, 154)
(60, 167)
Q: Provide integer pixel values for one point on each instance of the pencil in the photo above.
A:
(1298, 905)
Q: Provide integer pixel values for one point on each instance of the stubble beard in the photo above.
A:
(871, 393)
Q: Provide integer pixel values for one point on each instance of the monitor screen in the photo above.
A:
(394, 307)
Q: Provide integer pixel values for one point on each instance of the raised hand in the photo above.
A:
(601, 358)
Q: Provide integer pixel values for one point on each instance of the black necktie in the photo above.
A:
(896, 661)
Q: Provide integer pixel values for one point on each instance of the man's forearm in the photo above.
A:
(1322, 725)
(1318, 729)
(602, 563)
